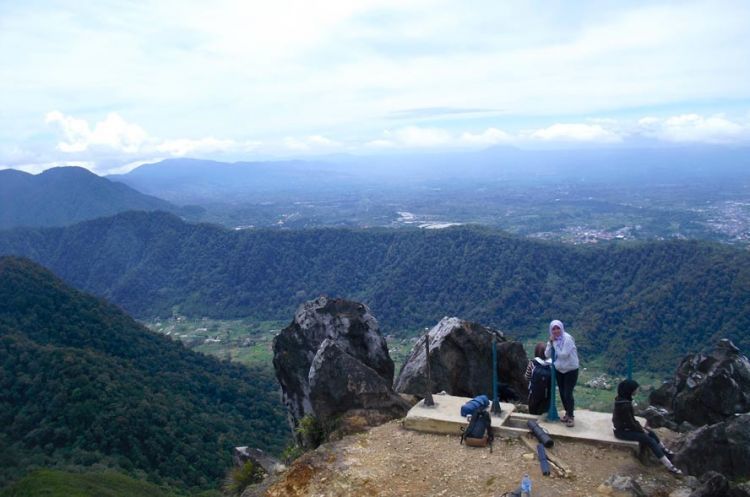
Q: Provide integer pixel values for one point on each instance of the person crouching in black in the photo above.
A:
(628, 428)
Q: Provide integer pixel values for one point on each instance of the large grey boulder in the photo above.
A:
(722, 447)
(621, 486)
(664, 395)
(339, 382)
(712, 387)
(707, 388)
(461, 362)
(332, 358)
(712, 484)
(659, 417)
(740, 490)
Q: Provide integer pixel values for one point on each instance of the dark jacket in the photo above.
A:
(623, 418)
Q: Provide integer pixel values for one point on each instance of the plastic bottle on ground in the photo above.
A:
(526, 486)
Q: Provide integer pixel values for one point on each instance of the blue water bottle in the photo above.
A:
(526, 486)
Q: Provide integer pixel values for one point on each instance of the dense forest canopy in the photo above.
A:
(82, 383)
(657, 299)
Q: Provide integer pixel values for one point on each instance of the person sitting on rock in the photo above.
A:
(539, 376)
(628, 428)
(566, 367)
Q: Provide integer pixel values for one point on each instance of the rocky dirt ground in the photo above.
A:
(390, 461)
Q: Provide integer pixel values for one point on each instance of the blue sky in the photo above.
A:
(111, 84)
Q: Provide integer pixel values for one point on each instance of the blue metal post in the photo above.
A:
(552, 413)
(495, 402)
(428, 400)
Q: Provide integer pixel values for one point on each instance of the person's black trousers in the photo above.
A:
(649, 438)
(565, 383)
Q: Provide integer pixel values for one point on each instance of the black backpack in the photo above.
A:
(479, 432)
(539, 389)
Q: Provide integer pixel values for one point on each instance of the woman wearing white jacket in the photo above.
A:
(566, 367)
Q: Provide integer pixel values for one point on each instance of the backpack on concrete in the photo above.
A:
(474, 405)
(479, 432)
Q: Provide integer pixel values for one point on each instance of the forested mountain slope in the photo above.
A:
(657, 299)
(66, 195)
(81, 383)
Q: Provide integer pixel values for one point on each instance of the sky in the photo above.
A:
(112, 84)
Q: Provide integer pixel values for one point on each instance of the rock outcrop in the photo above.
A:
(713, 484)
(340, 382)
(659, 417)
(331, 360)
(461, 362)
(707, 388)
(722, 447)
(259, 458)
(621, 486)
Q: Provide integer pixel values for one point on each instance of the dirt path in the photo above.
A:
(391, 461)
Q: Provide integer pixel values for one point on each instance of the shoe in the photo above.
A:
(675, 470)
(564, 419)
(570, 422)
(670, 467)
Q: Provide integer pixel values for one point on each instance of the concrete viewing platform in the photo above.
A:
(445, 417)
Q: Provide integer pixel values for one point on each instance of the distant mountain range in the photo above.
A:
(697, 192)
(186, 181)
(83, 384)
(66, 195)
(655, 300)
(575, 195)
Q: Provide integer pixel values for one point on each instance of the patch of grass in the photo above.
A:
(247, 341)
(240, 477)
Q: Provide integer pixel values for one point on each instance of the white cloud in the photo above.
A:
(312, 144)
(114, 145)
(184, 146)
(114, 139)
(418, 137)
(648, 121)
(695, 128)
(600, 130)
(415, 137)
(490, 136)
(322, 141)
(125, 168)
(113, 132)
(295, 144)
(575, 132)
(380, 143)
